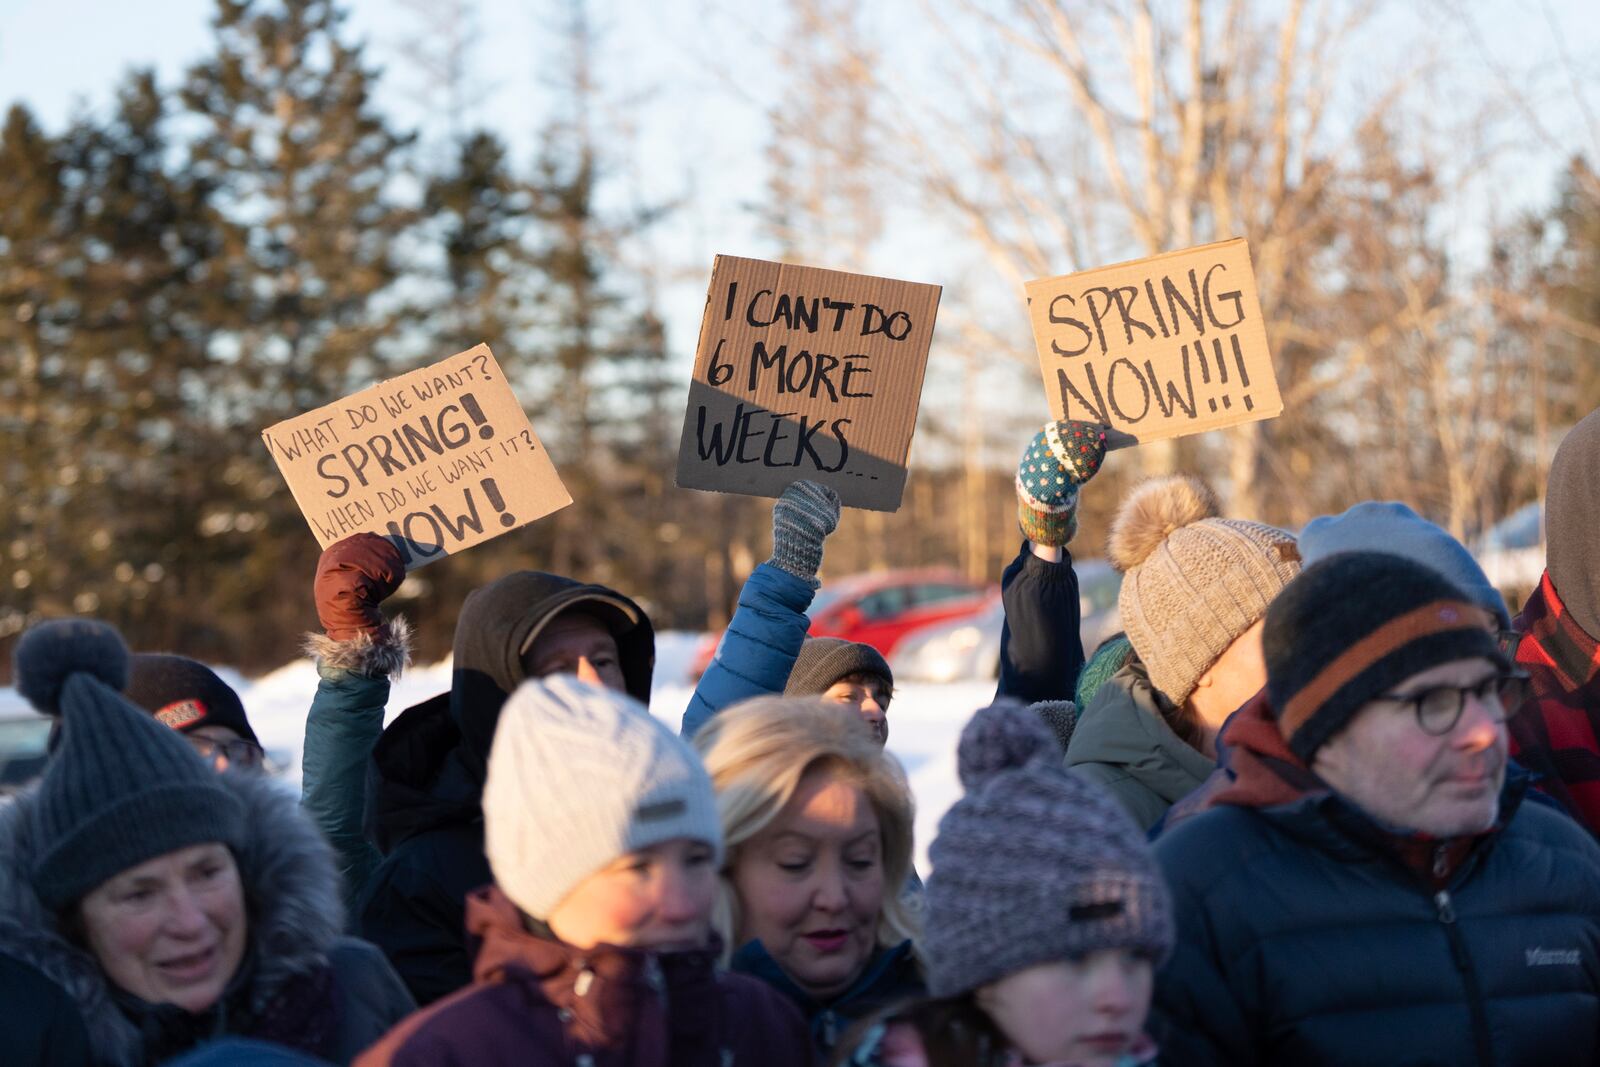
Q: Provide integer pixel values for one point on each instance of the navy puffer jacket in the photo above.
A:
(1303, 940)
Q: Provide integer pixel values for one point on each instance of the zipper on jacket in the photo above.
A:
(1463, 961)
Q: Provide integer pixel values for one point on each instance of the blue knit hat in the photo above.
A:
(121, 788)
(1391, 527)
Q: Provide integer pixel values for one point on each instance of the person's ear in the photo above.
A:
(1207, 679)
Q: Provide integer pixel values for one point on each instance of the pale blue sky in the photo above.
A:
(690, 90)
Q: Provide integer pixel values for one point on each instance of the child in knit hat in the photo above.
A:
(1040, 947)
(1195, 589)
(845, 672)
(601, 828)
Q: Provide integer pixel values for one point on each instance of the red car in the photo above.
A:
(880, 609)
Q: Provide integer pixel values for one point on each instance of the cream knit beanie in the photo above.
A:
(1191, 582)
(579, 776)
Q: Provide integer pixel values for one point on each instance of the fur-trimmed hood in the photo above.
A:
(291, 891)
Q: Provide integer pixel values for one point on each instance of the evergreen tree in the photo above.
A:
(36, 260)
(600, 350)
(305, 169)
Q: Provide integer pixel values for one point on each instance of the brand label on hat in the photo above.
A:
(665, 809)
(1553, 957)
(182, 713)
(1106, 909)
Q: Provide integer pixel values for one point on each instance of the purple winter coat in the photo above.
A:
(537, 1001)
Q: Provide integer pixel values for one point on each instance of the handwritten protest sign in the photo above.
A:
(438, 460)
(1159, 347)
(806, 373)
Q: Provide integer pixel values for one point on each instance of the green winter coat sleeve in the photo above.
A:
(345, 721)
(1139, 800)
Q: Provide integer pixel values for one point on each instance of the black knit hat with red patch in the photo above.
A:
(1354, 626)
(185, 694)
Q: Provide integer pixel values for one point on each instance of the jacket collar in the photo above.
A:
(1570, 650)
(1124, 726)
(603, 988)
(883, 971)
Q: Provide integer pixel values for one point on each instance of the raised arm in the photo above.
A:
(769, 625)
(358, 653)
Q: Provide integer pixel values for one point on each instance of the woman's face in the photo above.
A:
(811, 885)
(659, 897)
(1089, 1010)
(171, 930)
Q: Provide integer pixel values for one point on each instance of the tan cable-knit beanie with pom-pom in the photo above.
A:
(1192, 582)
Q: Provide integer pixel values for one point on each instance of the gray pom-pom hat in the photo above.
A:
(1032, 864)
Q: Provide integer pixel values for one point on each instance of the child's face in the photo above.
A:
(1088, 1010)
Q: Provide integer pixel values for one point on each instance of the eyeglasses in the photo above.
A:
(238, 753)
(1438, 710)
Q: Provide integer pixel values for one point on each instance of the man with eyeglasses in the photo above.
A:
(189, 697)
(1370, 887)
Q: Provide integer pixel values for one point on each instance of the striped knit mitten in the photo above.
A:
(1058, 460)
(802, 519)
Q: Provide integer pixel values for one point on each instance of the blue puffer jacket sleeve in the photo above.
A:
(1041, 648)
(758, 651)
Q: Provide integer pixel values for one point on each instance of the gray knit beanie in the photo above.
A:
(1192, 583)
(121, 788)
(579, 776)
(1392, 527)
(824, 660)
(1033, 864)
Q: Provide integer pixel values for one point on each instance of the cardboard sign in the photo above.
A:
(1156, 348)
(806, 373)
(437, 460)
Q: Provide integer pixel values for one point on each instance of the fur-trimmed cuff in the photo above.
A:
(381, 655)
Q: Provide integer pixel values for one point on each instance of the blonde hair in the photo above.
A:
(758, 751)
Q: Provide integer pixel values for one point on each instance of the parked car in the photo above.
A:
(24, 739)
(970, 648)
(882, 609)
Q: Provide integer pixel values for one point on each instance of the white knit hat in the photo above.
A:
(579, 776)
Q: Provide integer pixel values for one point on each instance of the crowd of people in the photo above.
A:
(1323, 801)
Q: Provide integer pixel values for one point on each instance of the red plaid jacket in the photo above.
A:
(1557, 733)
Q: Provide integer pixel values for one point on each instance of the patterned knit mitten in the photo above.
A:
(1058, 460)
(802, 519)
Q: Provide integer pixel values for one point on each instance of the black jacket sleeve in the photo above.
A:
(1041, 649)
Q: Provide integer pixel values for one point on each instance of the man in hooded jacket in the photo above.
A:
(427, 772)
(1558, 735)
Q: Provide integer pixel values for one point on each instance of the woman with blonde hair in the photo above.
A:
(817, 820)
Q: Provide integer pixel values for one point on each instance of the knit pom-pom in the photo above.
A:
(51, 652)
(1002, 737)
(1152, 512)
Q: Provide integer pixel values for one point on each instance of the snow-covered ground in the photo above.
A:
(924, 721)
